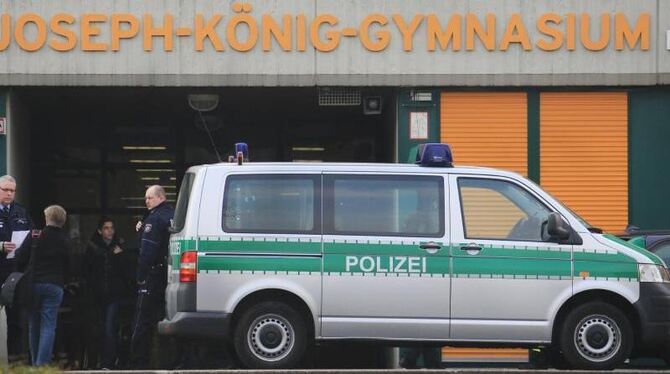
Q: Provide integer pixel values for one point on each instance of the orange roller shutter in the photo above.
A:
(584, 154)
(486, 128)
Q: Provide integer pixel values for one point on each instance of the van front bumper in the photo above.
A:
(653, 307)
(196, 325)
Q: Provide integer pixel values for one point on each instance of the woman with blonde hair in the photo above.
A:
(49, 264)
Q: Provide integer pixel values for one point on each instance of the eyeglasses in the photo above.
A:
(8, 189)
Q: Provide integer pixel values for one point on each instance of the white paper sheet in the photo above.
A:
(17, 238)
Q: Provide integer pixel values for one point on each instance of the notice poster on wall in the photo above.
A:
(418, 125)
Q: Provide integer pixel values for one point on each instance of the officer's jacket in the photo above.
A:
(154, 240)
(16, 220)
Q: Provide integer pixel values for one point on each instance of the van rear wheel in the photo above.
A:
(596, 336)
(270, 335)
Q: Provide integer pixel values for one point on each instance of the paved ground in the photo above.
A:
(395, 371)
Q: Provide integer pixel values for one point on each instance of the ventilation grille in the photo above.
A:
(336, 96)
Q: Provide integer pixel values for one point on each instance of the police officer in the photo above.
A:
(13, 217)
(151, 274)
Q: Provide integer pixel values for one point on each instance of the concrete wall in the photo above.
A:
(348, 64)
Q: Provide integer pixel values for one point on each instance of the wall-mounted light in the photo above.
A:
(143, 148)
(203, 102)
(150, 161)
(308, 149)
(372, 105)
(155, 170)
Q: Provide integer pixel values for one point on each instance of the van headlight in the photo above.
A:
(654, 273)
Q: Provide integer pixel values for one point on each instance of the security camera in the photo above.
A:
(372, 105)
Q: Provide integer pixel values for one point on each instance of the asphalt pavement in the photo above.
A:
(391, 371)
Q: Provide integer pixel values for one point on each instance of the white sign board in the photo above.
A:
(418, 125)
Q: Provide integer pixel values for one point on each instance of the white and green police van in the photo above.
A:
(275, 257)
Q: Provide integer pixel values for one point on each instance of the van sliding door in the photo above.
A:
(386, 259)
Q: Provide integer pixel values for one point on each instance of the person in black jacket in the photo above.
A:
(49, 265)
(151, 274)
(106, 278)
(13, 217)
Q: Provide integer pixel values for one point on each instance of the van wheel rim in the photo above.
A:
(597, 338)
(270, 337)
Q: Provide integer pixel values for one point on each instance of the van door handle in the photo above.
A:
(430, 245)
(471, 247)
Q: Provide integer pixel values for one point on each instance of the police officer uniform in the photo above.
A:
(151, 281)
(12, 218)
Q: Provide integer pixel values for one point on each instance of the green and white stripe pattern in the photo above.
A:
(308, 256)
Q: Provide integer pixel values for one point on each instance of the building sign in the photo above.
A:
(3, 126)
(244, 28)
(325, 43)
(418, 125)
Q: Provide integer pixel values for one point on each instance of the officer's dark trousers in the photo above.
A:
(149, 310)
(16, 330)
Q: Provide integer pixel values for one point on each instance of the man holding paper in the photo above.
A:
(14, 224)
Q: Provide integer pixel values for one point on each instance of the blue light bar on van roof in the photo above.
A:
(434, 154)
(241, 152)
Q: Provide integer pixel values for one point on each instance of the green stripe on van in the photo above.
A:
(486, 267)
(264, 245)
(602, 269)
(347, 264)
(364, 247)
(544, 253)
(603, 257)
(652, 257)
(185, 244)
(249, 263)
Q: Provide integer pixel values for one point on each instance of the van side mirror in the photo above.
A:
(557, 227)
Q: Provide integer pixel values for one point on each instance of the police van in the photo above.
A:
(275, 257)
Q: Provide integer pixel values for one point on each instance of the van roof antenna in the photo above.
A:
(205, 103)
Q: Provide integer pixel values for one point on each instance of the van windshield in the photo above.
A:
(182, 202)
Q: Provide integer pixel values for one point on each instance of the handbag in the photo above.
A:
(17, 289)
(10, 287)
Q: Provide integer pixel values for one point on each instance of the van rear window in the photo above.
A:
(182, 202)
(272, 204)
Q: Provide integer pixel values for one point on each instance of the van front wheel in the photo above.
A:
(270, 335)
(596, 336)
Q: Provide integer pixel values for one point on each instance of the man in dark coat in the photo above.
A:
(151, 274)
(13, 217)
(106, 279)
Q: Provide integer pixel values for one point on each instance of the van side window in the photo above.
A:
(182, 202)
(272, 203)
(384, 205)
(500, 210)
